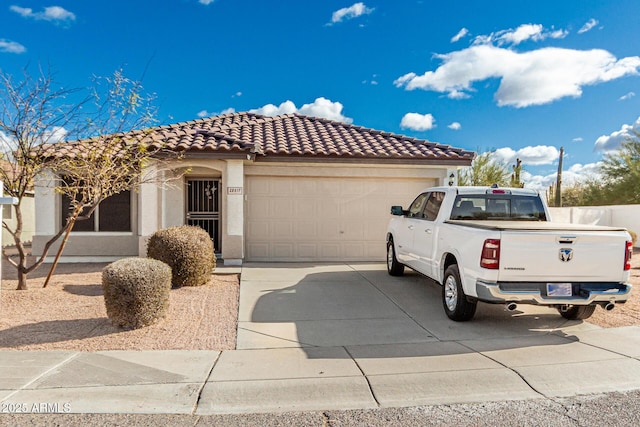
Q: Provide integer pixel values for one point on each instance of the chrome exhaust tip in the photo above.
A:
(511, 306)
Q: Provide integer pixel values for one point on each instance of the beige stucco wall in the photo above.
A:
(28, 221)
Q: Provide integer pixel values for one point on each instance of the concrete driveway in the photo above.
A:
(302, 305)
(332, 325)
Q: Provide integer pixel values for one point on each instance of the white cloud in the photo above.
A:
(321, 107)
(418, 122)
(574, 174)
(612, 141)
(8, 46)
(286, 107)
(206, 2)
(530, 78)
(353, 11)
(455, 126)
(524, 32)
(462, 33)
(577, 139)
(54, 135)
(588, 26)
(534, 156)
(627, 96)
(50, 13)
(204, 113)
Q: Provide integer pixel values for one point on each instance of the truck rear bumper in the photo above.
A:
(536, 293)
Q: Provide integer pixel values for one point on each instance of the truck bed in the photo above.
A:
(531, 225)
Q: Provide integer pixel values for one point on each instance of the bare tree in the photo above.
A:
(104, 159)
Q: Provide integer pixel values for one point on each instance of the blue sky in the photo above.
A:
(522, 78)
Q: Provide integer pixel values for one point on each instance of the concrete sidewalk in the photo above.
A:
(330, 337)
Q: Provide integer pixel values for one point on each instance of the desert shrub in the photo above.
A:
(136, 291)
(634, 237)
(188, 250)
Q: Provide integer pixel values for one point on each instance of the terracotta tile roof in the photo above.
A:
(281, 137)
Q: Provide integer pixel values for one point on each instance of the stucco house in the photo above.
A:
(284, 188)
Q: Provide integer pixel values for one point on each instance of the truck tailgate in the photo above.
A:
(562, 255)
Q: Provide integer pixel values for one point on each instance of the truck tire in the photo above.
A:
(454, 300)
(578, 312)
(394, 268)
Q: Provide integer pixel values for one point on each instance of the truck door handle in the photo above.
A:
(428, 231)
(410, 227)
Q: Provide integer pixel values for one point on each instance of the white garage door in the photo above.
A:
(322, 219)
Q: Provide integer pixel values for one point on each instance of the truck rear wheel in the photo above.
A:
(578, 312)
(394, 268)
(454, 300)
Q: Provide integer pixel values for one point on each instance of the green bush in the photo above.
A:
(188, 250)
(136, 291)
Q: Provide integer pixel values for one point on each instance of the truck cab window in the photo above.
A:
(432, 207)
(415, 210)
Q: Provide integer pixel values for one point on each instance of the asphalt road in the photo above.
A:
(614, 409)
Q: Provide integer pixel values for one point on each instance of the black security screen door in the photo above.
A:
(203, 207)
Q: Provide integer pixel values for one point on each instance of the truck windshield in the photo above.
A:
(507, 207)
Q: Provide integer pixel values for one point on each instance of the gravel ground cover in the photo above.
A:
(69, 314)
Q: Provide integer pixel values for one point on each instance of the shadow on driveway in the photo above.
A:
(361, 305)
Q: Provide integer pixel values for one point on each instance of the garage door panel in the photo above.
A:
(304, 208)
(353, 208)
(329, 251)
(352, 230)
(329, 230)
(260, 230)
(305, 230)
(259, 250)
(282, 230)
(281, 187)
(307, 251)
(322, 219)
(328, 208)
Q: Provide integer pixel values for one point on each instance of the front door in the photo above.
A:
(203, 207)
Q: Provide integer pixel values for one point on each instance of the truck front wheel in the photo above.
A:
(577, 312)
(454, 300)
(394, 268)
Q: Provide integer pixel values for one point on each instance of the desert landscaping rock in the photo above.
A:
(70, 315)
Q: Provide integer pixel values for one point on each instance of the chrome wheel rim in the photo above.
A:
(390, 256)
(451, 293)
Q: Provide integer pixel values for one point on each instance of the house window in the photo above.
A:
(112, 214)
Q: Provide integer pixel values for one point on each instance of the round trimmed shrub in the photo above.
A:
(136, 291)
(188, 250)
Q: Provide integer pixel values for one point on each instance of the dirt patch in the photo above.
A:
(70, 315)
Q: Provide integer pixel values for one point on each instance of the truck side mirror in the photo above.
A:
(397, 210)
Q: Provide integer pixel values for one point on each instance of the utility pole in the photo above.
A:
(559, 180)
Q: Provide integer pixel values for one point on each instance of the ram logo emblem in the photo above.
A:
(566, 254)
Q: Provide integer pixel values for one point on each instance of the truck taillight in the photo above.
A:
(627, 256)
(490, 257)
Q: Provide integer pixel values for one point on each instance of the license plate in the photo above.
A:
(559, 289)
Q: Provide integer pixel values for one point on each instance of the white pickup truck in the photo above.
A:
(497, 245)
